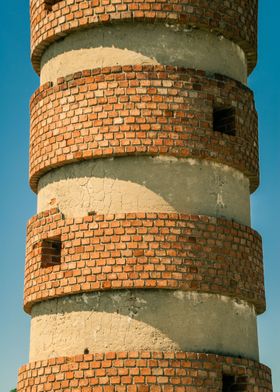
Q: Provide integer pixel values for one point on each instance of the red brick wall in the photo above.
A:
(148, 110)
(143, 372)
(141, 110)
(152, 250)
(234, 19)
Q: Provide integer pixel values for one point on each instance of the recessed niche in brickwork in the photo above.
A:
(228, 383)
(49, 4)
(224, 121)
(234, 384)
(51, 252)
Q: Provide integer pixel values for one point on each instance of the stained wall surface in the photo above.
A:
(143, 320)
(131, 44)
(143, 135)
(146, 184)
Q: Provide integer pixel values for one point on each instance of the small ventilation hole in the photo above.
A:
(50, 3)
(224, 121)
(51, 252)
(228, 383)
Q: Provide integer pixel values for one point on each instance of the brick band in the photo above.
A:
(234, 19)
(143, 251)
(142, 110)
(144, 372)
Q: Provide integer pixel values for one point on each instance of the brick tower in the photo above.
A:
(142, 270)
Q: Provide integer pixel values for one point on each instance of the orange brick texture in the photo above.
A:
(234, 19)
(143, 372)
(144, 251)
(150, 110)
(143, 110)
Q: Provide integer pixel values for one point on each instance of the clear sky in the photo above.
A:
(17, 202)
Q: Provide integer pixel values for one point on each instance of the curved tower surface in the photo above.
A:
(142, 270)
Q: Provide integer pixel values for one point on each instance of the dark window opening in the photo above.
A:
(51, 252)
(224, 121)
(50, 3)
(228, 383)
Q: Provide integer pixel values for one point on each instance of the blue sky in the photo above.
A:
(17, 202)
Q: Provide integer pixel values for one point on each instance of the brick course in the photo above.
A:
(234, 19)
(150, 110)
(143, 372)
(144, 251)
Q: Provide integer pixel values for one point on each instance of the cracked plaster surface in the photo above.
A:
(144, 184)
(141, 43)
(142, 320)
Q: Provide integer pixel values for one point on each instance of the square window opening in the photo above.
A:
(224, 121)
(50, 3)
(51, 252)
(228, 383)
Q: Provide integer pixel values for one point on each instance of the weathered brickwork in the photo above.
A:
(234, 19)
(144, 251)
(145, 110)
(154, 110)
(143, 372)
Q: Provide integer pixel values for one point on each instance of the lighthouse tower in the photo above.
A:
(142, 270)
